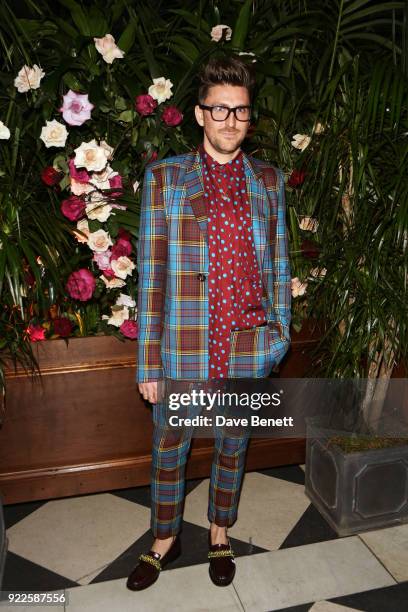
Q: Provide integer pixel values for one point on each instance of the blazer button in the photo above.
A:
(201, 277)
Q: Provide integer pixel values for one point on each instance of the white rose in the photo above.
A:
(4, 131)
(119, 314)
(125, 300)
(112, 283)
(308, 224)
(79, 188)
(99, 241)
(101, 179)
(300, 141)
(54, 134)
(298, 288)
(108, 48)
(91, 156)
(28, 78)
(83, 227)
(217, 32)
(161, 89)
(97, 208)
(107, 147)
(135, 186)
(122, 266)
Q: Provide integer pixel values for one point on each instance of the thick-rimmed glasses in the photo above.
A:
(221, 113)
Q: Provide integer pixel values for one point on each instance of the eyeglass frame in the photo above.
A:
(232, 109)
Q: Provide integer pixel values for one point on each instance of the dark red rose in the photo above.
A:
(108, 273)
(79, 174)
(145, 105)
(297, 178)
(116, 183)
(73, 207)
(50, 176)
(310, 249)
(62, 327)
(122, 233)
(172, 116)
(121, 248)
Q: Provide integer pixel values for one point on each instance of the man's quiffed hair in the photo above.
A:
(225, 71)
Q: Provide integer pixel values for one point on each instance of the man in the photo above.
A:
(213, 301)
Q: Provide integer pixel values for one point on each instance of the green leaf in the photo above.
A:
(240, 29)
(127, 39)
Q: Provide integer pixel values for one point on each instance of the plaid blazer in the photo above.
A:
(173, 271)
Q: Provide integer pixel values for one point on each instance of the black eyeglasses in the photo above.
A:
(221, 113)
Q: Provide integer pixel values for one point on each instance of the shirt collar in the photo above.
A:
(213, 164)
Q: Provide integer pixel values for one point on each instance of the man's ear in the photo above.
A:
(199, 115)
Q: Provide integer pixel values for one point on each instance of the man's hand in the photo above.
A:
(149, 391)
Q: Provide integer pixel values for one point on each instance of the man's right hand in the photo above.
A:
(149, 391)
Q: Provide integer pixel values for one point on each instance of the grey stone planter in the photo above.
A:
(355, 491)
(3, 543)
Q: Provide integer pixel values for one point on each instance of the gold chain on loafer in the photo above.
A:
(151, 560)
(221, 553)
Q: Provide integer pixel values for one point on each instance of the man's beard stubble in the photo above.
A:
(224, 145)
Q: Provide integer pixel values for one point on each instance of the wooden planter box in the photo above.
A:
(84, 427)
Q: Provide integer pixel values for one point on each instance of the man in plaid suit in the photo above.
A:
(208, 307)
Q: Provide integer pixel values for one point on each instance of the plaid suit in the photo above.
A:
(173, 268)
(173, 318)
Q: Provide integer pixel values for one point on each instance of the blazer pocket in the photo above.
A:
(250, 354)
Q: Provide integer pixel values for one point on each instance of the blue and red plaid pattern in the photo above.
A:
(173, 273)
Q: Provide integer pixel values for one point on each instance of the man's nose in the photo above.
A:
(231, 120)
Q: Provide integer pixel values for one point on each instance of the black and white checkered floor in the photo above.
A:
(287, 556)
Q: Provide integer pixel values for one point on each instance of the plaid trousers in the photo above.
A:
(169, 457)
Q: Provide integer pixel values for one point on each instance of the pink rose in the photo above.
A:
(102, 259)
(80, 175)
(81, 285)
(76, 108)
(121, 248)
(129, 329)
(172, 116)
(73, 208)
(145, 105)
(36, 332)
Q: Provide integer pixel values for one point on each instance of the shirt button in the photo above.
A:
(201, 277)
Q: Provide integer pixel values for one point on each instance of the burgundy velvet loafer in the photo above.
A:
(222, 562)
(150, 565)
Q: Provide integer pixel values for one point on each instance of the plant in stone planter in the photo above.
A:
(358, 177)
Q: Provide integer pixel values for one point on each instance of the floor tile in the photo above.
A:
(328, 606)
(77, 537)
(291, 473)
(310, 528)
(290, 577)
(390, 546)
(279, 506)
(185, 590)
(387, 599)
(23, 575)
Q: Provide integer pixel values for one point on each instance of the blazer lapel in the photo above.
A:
(258, 199)
(195, 192)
